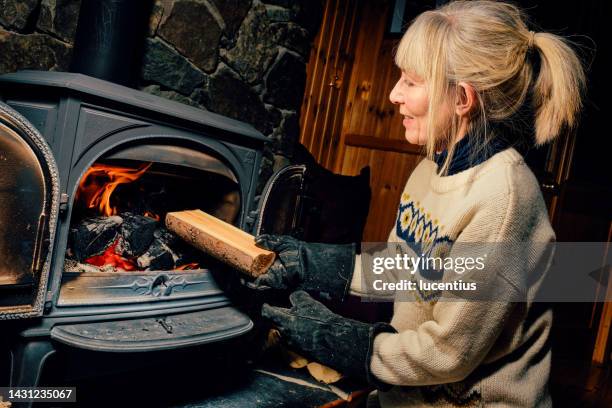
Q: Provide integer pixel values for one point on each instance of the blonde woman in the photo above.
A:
(475, 82)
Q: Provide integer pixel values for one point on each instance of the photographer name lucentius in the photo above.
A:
(405, 284)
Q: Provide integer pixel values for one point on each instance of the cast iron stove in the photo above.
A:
(67, 124)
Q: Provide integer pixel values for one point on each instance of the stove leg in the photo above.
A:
(27, 361)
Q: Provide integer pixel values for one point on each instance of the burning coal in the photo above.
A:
(114, 239)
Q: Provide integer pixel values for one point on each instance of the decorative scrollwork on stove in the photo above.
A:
(134, 287)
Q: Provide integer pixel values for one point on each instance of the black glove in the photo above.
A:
(325, 269)
(340, 343)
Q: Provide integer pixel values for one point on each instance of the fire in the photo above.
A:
(152, 215)
(101, 180)
(110, 257)
(95, 191)
(192, 265)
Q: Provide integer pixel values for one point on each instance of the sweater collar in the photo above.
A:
(466, 156)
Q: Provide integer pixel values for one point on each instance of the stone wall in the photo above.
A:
(37, 34)
(244, 59)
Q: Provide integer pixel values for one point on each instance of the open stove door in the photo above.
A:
(29, 200)
(313, 204)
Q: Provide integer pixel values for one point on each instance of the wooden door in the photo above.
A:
(363, 128)
(328, 74)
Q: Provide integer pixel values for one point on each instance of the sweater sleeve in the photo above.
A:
(355, 288)
(458, 336)
(442, 350)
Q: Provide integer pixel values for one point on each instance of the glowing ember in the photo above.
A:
(151, 215)
(99, 182)
(193, 265)
(110, 257)
(95, 191)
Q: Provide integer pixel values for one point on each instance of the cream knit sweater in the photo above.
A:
(469, 353)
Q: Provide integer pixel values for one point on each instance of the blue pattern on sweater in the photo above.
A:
(420, 230)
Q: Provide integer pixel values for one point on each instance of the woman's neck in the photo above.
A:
(461, 133)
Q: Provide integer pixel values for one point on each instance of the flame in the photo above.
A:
(101, 180)
(192, 265)
(110, 257)
(95, 190)
(152, 215)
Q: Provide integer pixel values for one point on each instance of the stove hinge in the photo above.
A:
(49, 301)
(63, 205)
(251, 219)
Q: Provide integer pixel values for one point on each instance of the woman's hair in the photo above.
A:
(488, 45)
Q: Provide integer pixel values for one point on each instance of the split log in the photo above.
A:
(159, 256)
(93, 236)
(221, 240)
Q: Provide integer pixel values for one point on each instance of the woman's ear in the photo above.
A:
(466, 99)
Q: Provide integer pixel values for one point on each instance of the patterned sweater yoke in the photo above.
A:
(470, 353)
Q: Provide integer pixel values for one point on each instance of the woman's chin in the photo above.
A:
(412, 138)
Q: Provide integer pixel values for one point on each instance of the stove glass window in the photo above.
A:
(22, 200)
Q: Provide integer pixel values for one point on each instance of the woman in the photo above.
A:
(475, 82)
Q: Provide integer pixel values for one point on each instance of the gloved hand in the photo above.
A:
(325, 269)
(340, 343)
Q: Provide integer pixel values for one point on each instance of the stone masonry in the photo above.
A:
(245, 59)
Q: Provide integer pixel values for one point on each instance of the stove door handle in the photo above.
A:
(40, 245)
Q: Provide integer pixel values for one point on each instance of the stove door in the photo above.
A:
(281, 206)
(315, 205)
(29, 196)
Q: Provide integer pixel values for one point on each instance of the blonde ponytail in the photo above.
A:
(557, 92)
(487, 44)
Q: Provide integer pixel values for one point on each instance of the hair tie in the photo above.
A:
(531, 39)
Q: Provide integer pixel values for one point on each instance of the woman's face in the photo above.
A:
(410, 94)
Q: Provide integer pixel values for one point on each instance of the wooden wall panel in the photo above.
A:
(353, 124)
(328, 69)
(370, 114)
(368, 109)
(389, 172)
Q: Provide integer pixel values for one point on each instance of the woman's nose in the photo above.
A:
(395, 95)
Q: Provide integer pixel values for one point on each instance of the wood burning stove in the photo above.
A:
(72, 129)
(87, 168)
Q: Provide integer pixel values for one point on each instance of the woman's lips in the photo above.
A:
(407, 120)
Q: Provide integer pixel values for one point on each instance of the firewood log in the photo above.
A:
(160, 256)
(92, 236)
(137, 234)
(221, 240)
